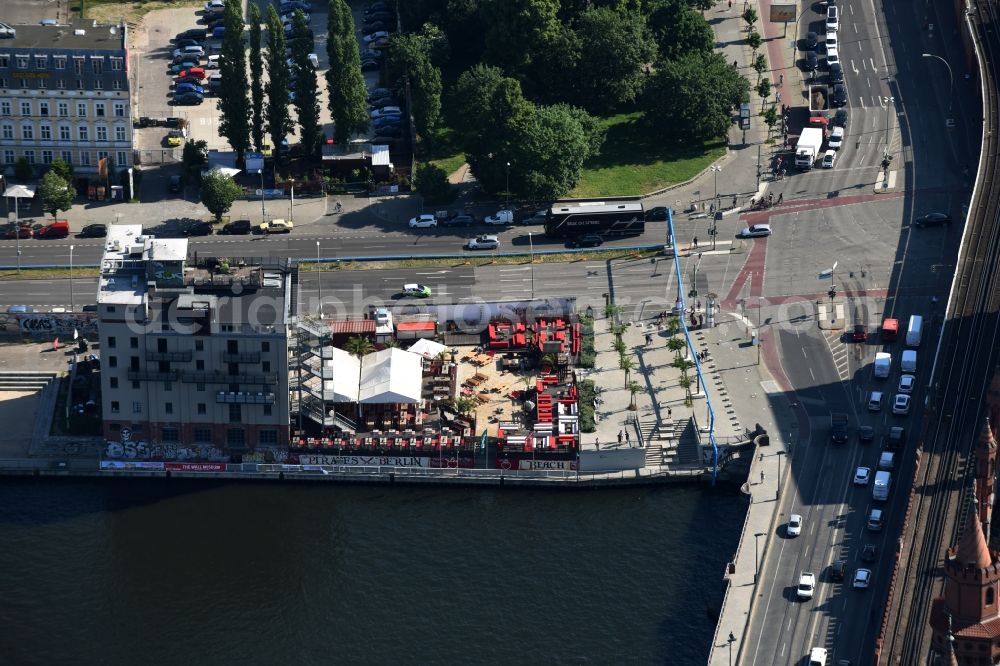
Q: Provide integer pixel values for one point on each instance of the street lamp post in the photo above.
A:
(888, 103)
(756, 566)
(531, 250)
(760, 299)
(779, 454)
(715, 172)
(17, 234)
(731, 640)
(319, 281)
(951, 79)
(72, 300)
(263, 214)
(507, 188)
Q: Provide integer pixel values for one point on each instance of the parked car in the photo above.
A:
(812, 40)
(386, 111)
(460, 220)
(94, 231)
(829, 157)
(174, 138)
(755, 231)
(378, 92)
(237, 227)
(836, 139)
(214, 61)
(384, 103)
(58, 229)
(187, 41)
(389, 132)
(840, 118)
(193, 33)
(371, 53)
(179, 67)
(20, 231)
(215, 6)
(214, 82)
(794, 525)
(836, 73)
(832, 55)
(810, 61)
(423, 221)
(375, 26)
(538, 217)
(586, 240)
(501, 217)
(189, 51)
(839, 97)
(187, 87)
(483, 243)
(369, 65)
(379, 43)
(375, 37)
(175, 184)
(276, 227)
(199, 229)
(292, 5)
(657, 214)
(194, 73)
(185, 60)
(416, 290)
(388, 121)
(20, 309)
(932, 220)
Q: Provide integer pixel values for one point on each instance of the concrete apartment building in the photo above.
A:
(64, 92)
(193, 352)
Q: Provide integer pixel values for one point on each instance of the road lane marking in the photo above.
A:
(874, 68)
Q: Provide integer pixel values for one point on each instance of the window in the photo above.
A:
(45, 132)
(235, 414)
(202, 408)
(84, 158)
(989, 596)
(30, 156)
(42, 83)
(5, 108)
(98, 84)
(41, 62)
(133, 342)
(64, 133)
(67, 155)
(136, 386)
(79, 84)
(267, 410)
(8, 131)
(112, 342)
(3, 81)
(99, 109)
(78, 66)
(168, 386)
(59, 62)
(199, 387)
(84, 133)
(232, 346)
(28, 132)
(119, 109)
(168, 407)
(199, 345)
(134, 363)
(81, 109)
(24, 83)
(22, 62)
(114, 382)
(25, 108)
(199, 365)
(117, 84)
(268, 437)
(136, 407)
(171, 435)
(4, 60)
(8, 157)
(265, 366)
(116, 64)
(235, 438)
(122, 158)
(102, 133)
(202, 435)
(115, 407)
(120, 134)
(265, 347)
(61, 84)
(46, 157)
(97, 64)
(43, 108)
(64, 109)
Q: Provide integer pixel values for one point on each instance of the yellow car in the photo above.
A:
(276, 227)
(175, 138)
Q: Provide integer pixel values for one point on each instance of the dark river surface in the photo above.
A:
(187, 572)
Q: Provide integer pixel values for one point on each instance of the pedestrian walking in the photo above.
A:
(597, 443)
(694, 242)
(734, 201)
(649, 339)
(762, 476)
(730, 4)
(770, 197)
(736, 64)
(626, 438)
(781, 197)
(781, 81)
(670, 413)
(782, 172)
(620, 436)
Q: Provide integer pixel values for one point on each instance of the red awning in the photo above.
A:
(415, 326)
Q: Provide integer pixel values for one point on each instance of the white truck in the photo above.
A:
(880, 491)
(807, 150)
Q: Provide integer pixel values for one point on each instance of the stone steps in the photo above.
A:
(25, 380)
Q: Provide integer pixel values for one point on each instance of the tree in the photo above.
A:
(633, 389)
(218, 192)
(464, 405)
(691, 99)
(770, 116)
(673, 325)
(764, 88)
(749, 17)
(676, 345)
(409, 60)
(754, 40)
(256, 79)
(432, 182)
(518, 32)
(702, 5)
(304, 84)
(344, 81)
(279, 123)
(760, 65)
(618, 48)
(55, 193)
(23, 169)
(547, 154)
(195, 154)
(487, 103)
(611, 310)
(64, 170)
(683, 365)
(679, 30)
(359, 346)
(234, 103)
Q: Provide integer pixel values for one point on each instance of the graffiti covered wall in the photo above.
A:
(45, 324)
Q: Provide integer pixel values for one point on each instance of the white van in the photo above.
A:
(887, 460)
(817, 657)
(908, 362)
(880, 489)
(883, 364)
(832, 18)
(914, 330)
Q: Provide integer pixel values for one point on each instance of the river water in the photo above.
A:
(186, 572)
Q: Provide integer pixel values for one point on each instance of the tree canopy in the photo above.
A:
(257, 124)
(234, 103)
(409, 60)
(304, 84)
(549, 152)
(344, 82)
(55, 193)
(218, 192)
(279, 123)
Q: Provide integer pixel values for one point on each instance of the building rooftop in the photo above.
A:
(80, 34)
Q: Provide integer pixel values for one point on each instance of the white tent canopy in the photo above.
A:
(19, 192)
(346, 374)
(427, 348)
(390, 376)
(224, 170)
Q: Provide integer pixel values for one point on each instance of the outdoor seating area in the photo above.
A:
(545, 335)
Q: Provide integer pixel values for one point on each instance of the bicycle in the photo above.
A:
(338, 208)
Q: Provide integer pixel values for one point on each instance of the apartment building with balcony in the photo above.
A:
(64, 93)
(193, 352)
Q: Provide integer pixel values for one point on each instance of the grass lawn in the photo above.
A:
(633, 162)
(445, 151)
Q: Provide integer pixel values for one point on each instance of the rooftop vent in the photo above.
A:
(79, 32)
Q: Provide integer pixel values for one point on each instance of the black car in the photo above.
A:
(837, 570)
(292, 5)
(189, 99)
(839, 95)
(237, 227)
(457, 221)
(370, 65)
(383, 102)
(94, 231)
(869, 553)
(390, 131)
(836, 73)
(378, 93)
(215, 23)
(374, 26)
(586, 240)
(174, 184)
(810, 62)
(199, 229)
(840, 118)
(193, 33)
(932, 220)
(811, 40)
(657, 214)
(866, 434)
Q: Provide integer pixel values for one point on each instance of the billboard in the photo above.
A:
(783, 13)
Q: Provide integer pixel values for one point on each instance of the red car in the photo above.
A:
(193, 73)
(22, 231)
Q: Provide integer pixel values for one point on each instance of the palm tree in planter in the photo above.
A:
(618, 330)
(626, 363)
(549, 360)
(359, 346)
(685, 384)
(633, 388)
(676, 345)
(464, 406)
(611, 310)
(619, 346)
(673, 325)
(391, 343)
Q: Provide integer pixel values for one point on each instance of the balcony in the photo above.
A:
(244, 398)
(262, 378)
(241, 357)
(152, 376)
(179, 356)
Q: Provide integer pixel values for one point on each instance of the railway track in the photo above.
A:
(968, 355)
